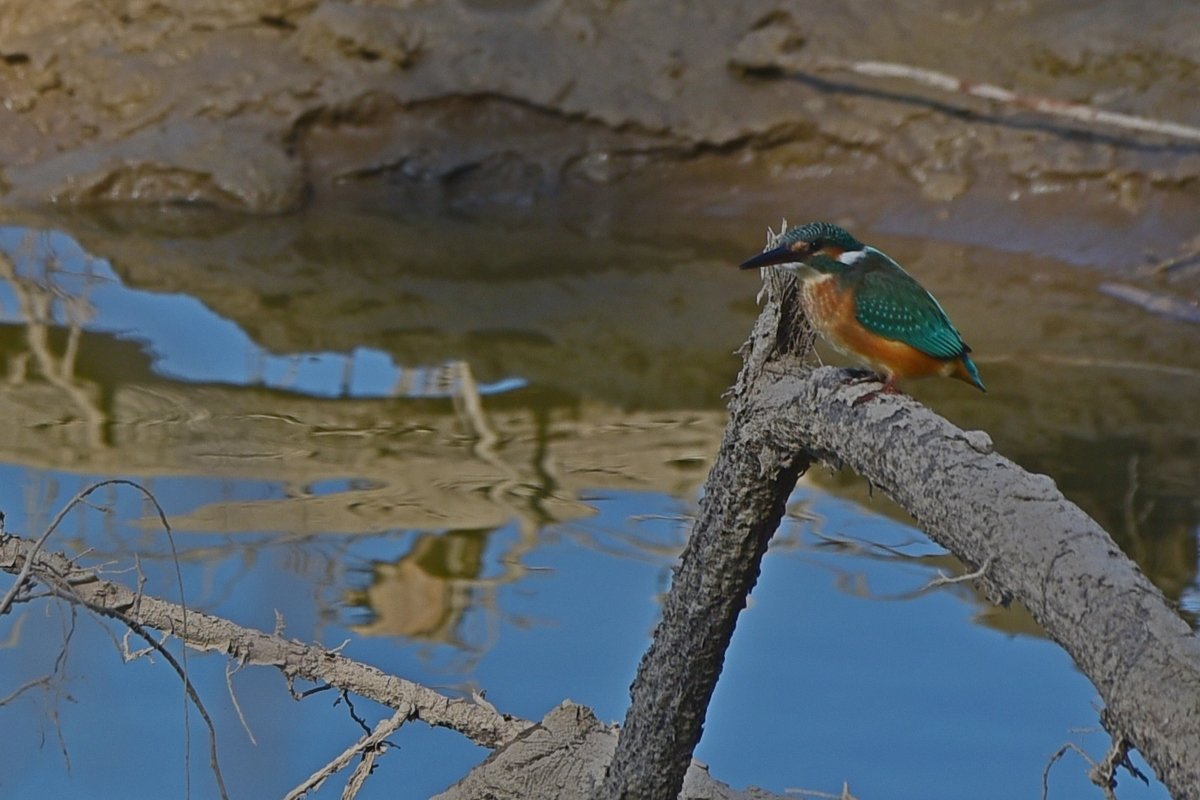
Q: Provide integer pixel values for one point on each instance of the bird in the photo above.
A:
(867, 307)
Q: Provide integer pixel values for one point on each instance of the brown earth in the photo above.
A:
(263, 105)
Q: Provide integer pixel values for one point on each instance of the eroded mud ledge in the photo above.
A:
(265, 105)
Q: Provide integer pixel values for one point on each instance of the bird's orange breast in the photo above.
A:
(830, 309)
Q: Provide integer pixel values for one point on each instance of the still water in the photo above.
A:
(468, 452)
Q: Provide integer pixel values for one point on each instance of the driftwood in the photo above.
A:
(1028, 542)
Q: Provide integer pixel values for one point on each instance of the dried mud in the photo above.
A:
(266, 105)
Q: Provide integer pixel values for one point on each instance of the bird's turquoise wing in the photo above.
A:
(893, 305)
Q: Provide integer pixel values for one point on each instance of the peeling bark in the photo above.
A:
(744, 499)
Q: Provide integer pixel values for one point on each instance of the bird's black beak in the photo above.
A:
(780, 255)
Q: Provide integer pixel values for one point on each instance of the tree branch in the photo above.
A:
(562, 757)
(744, 499)
(295, 659)
(1143, 659)
(1039, 548)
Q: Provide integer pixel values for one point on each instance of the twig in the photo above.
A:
(78, 499)
(187, 684)
(368, 745)
(1058, 754)
(345, 698)
(1102, 773)
(20, 690)
(230, 669)
(943, 579)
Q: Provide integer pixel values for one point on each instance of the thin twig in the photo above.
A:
(368, 743)
(942, 579)
(1062, 751)
(1190, 256)
(20, 690)
(230, 668)
(187, 684)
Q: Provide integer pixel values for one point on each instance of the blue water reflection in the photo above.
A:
(189, 342)
(822, 684)
(536, 576)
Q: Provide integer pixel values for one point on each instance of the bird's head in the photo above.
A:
(819, 245)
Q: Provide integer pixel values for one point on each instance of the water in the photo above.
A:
(469, 450)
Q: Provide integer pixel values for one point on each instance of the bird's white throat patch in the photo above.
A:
(853, 256)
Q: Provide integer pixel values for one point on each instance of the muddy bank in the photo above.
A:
(264, 104)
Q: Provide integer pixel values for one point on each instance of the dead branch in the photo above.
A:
(188, 686)
(294, 659)
(565, 754)
(1024, 540)
(745, 497)
(946, 82)
(759, 58)
(1042, 549)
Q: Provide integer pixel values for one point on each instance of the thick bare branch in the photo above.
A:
(1037, 546)
(295, 659)
(569, 748)
(744, 499)
(1041, 550)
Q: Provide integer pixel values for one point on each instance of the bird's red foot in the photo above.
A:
(889, 387)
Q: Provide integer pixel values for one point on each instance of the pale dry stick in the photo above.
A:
(942, 579)
(230, 669)
(844, 794)
(988, 91)
(1164, 305)
(368, 744)
(362, 771)
(945, 82)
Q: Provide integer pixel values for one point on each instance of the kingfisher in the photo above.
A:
(864, 304)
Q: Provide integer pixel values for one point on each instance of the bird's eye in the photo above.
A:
(817, 245)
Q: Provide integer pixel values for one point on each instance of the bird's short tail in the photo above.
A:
(967, 371)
